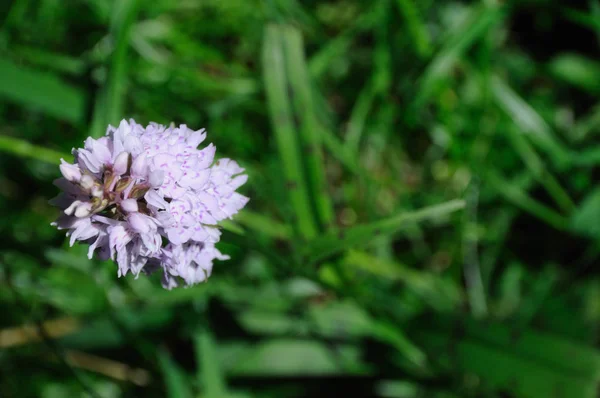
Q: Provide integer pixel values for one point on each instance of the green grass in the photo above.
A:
(423, 218)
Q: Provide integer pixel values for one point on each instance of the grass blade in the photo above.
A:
(358, 117)
(25, 149)
(529, 364)
(301, 86)
(123, 18)
(285, 134)
(264, 225)
(209, 372)
(521, 199)
(174, 377)
(439, 293)
(337, 241)
(59, 62)
(528, 120)
(474, 27)
(415, 26)
(42, 91)
(537, 167)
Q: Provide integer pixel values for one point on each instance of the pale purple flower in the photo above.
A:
(148, 198)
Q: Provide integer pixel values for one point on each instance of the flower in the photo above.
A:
(149, 199)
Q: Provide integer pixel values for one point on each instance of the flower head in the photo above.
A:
(149, 199)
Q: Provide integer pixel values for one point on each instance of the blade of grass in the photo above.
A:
(59, 62)
(358, 117)
(175, 380)
(337, 241)
(210, 374)
(441, 294)
(378, 83)
(577, 70)
(530, 364)
(416, 27)
(25, 149)
(335, 146)
(42, 91)
(471, 265)
(539, 171)
(322, 60)
(264, 225)
(476, 24)
(309, 137)
(528, 120)
(285, 134)
(125, 14)
(521, 199)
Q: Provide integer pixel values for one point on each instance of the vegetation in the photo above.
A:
(424, 220)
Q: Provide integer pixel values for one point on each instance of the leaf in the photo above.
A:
(473, 27)
(528, 120)
(209, 369)
(58, 62)
(284, 357)
(540, 172)
(174, 377)
(124, 15)
(263, 224)
(577, 70)
(518, 197)
(416, 27)
(41, 91)
(23, 148)
(338, 241)
(585, 219)
(441, 294)
(530, 364)
(309, 133)
(103, 332)
(285, 133)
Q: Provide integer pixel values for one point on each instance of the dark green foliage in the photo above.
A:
(424, 217)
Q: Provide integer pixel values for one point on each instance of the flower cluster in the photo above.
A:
(148, 198)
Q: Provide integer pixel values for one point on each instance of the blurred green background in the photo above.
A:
(424, 219)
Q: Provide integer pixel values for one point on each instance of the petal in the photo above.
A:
(70, 171)
(155, 199)
(139, 167)
(129, 205)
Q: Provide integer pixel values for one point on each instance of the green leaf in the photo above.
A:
(41, 91)
(285, 133)
(529, 363)
(441, 294)
(338, 241)
(209, 370)
(528, 120)
(263, 224)
(174, 377)
(124, 15)
(585, 219)
(540, 172)
(58, 62)
(309, 133)
(520, 198)
(416, 27)
(23, 148)
(474, 26)
(285, 357)
(577, 70)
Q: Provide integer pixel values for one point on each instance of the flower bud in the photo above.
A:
(129, 205)
(156, 178)
(121, 163)
(70, 171)
(86, 182)
(139, 166)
